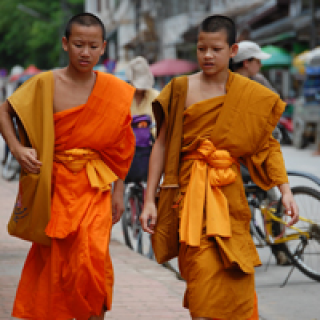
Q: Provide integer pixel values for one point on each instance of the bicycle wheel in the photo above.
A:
(304, 252)
(135, 237)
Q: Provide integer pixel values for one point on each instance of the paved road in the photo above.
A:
(141, 284)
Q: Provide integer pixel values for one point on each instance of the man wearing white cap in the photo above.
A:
(247, 62)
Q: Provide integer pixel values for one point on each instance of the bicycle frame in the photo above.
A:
(268, 214)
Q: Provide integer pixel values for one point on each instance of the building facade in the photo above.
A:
(156, 28)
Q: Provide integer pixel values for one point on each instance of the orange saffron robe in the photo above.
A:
(74, 277)
(217, 255)
(211, 288)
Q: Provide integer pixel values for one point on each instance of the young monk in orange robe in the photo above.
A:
(219, 119)
(93, 147)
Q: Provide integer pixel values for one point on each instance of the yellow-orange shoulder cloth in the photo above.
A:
(33, 103)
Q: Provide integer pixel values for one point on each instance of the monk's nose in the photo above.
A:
(85, 51)
(208, 54)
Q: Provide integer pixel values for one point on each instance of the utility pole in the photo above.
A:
(313, 33)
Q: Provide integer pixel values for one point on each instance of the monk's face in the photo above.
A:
(214, 52)
(84, 46)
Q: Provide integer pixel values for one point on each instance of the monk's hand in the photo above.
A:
(28, 159)
(148, 217)
(117, 202)
(291, 208)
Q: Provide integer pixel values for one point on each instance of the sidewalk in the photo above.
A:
(143, 289)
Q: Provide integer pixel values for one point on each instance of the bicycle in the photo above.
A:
(301, 242)
(134, 236)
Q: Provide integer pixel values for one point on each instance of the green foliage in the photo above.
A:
(32, 34)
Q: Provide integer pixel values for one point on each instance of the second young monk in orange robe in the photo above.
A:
(93, 148)
(219, 119)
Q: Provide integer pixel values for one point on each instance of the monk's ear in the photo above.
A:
(234, 50)
(103, 47)
(65, 43)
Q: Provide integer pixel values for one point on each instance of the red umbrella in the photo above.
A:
(31, 70)
(172, 67)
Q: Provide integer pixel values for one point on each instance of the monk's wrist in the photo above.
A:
(118, 187)
(284, 188)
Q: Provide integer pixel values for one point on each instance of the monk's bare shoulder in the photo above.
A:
(69, 93)
(193, 94)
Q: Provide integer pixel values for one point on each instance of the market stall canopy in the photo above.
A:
(279, 57)
(172, 67)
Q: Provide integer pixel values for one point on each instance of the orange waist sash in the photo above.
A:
(210, 171)
(99, 174)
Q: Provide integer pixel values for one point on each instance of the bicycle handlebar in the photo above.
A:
(302, 174)
(309, 176)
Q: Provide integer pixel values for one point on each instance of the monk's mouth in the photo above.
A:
(84, 63)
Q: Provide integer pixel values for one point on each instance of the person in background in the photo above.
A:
(140, 76)
(247, 62)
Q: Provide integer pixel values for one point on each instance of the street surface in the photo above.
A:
(145, 290)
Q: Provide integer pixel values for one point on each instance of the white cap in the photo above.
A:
(248, 50)
(139, 74)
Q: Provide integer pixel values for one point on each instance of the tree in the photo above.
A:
(34, 39)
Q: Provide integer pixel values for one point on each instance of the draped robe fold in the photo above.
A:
(73, 278)
(219, 272)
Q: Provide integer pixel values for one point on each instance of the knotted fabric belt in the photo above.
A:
(210, 171)
(99, 174)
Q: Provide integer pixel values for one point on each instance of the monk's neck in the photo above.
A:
(215, 79)
(79, 77)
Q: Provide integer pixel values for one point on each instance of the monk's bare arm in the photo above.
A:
(27, 157)
(117, 201)
(6, 126)
(276, 168)
(289, 203)
(156, 166)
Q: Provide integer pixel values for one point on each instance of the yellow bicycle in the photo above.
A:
(301, 242)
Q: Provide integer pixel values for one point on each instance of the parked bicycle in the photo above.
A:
(135, 238)
(301, 242)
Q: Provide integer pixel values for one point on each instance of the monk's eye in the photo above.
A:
(94, 47)
(78, 45)
(201, 49)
